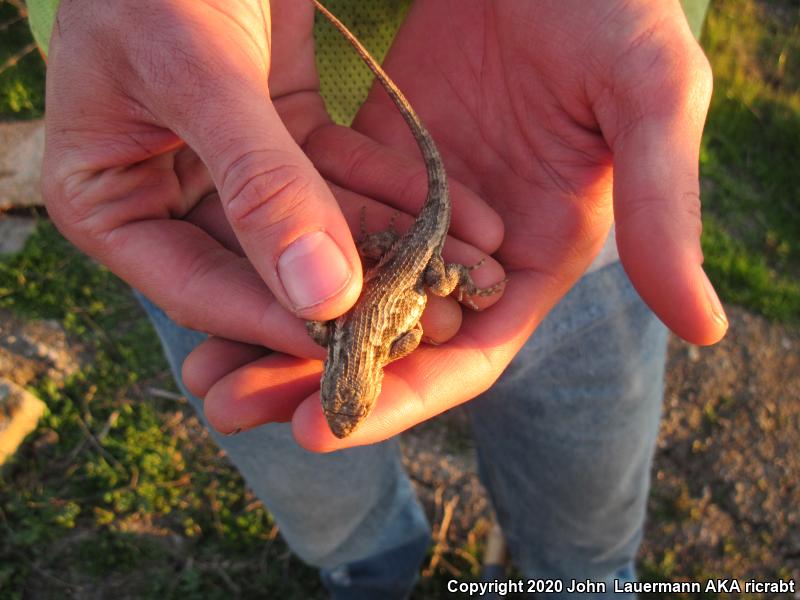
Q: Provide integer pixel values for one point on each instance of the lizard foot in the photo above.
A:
(372, 246)
(469, 289)
(444, 279)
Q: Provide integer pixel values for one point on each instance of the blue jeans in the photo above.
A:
(565, 440)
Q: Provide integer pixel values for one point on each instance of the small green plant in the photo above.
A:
(21, 67)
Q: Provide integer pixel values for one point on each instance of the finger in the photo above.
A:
(415, 388)
(208, 371)
(281, 211)
(172, 261)
(214, 359)
(352, 160)
(122, 216)
(654, 132)
(243, 389)
(441, 320)
(434, 379)
(209, 216)
(266, 391)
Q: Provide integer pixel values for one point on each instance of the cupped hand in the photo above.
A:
(564, 117)
(154, 106)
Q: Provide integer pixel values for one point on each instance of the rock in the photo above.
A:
(19, 414)
(29, 351)
(13, 233)
(34, 349)
(21, 151)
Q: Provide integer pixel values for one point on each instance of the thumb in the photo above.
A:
(654, 131)
(281, 210)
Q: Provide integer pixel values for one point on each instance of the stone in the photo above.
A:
(33, 349)
(21, 152)
(29, 351)
(20, 412)
(14, 231)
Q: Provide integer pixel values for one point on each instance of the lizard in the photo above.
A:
(384, 323)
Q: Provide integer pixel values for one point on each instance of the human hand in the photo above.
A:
(151, 107)
(570, 101)
(542, 110)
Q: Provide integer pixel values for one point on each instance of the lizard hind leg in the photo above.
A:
(443, 279)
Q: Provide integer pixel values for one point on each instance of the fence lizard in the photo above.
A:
(383, 325)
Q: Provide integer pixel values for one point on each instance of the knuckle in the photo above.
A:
(646, 52)
(689, 81)
(260, 196)
(358, 159)
(180, 317)
(52, 192)
(662, 77)
(204, 266)
(73, 210)
(691, 208)
(702, 76)
(663, 61)
(682, 212)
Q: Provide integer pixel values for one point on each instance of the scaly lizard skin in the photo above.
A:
(384, 324)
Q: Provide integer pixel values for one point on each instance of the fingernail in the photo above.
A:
(713, 300)
(313, 269)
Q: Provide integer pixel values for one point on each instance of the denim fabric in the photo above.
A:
(566, 437)
(565, 440)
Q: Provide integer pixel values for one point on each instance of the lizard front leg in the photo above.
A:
(372, 246)
(320, 331)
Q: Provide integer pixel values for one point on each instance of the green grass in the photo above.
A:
(127, 483)
(750, 161)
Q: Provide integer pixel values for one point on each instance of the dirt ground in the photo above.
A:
(725, 500)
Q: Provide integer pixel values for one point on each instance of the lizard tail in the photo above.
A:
(438, 194)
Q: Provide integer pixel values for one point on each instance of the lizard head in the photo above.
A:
(347, 401)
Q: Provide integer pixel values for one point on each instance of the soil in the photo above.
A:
(725, 499)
